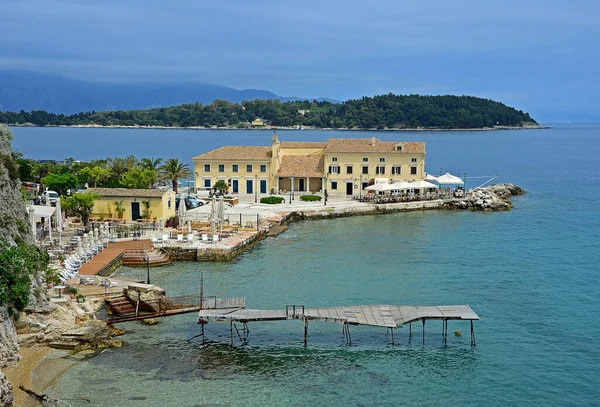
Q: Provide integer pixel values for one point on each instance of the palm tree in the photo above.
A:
(172, 170)
(151, 163)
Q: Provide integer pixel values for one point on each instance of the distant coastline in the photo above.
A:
(98, 126)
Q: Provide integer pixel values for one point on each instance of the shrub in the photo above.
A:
(272, 200)
(310, 198)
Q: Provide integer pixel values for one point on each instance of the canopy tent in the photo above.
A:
(422, 184)
(449, 179)
(429, 177)
(42, 211)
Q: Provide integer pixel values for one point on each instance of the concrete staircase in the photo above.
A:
(136, 257)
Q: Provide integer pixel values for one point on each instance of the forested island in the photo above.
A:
(379, 112)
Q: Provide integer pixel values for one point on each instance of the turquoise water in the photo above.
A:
(531, 274)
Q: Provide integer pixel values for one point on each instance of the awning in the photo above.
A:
(42, 211)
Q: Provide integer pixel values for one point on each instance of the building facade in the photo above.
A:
(160, 202)
(339, 166)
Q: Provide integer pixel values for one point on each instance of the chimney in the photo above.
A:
(374, 141)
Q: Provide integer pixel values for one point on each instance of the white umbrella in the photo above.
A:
(213, 214)
(422, 184)
(429, 177)
(221, 211)
(31, 213)
(181, 210)
(401, 185)
(377, 187)
(58, 218)
(449, 179)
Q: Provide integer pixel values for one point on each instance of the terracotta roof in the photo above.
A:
(303, 144)
(372, 145)
(301, 166)
(125, 192)
(239, 153)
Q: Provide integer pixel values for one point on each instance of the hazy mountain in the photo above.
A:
(21, 90)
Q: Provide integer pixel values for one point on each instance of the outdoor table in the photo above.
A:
(59, 288)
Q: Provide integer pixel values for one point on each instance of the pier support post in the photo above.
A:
(423, 331)
(473, 342)
(231, 331)
(305, 331)
(410, 329)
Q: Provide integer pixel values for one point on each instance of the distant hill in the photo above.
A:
(379, 112)
(21, 90)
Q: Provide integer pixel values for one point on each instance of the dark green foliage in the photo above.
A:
(60, 182)
(310, 198)
(385, 111)
(11, 166)
(18, 264)
(272, 200)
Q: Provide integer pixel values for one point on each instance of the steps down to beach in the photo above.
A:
(151, 257)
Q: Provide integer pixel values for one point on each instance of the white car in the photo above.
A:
(52, 196)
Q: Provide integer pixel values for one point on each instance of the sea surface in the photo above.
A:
(531, 274)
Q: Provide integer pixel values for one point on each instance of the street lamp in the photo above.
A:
(360, 187)
(325, 194)
(291, 181)
(255, 188)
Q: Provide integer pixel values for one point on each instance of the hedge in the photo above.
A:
(272, 200)
(310, 198)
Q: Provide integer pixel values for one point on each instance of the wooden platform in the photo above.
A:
(388, 316)
(111, 254)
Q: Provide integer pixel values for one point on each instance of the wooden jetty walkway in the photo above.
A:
(387, 316)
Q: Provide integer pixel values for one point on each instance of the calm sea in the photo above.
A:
(531, 274)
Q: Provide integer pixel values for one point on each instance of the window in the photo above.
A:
(334, 169)
(396, 170)
(381, 159)
(249, 168)
(365, 159)
(207, 183)
(263, 168)
(399, 147)
(234, 168)
(333, 184)
(221, 167)
(206, 167)
(169, 204)
(413, 160)
(348, 169)
(334, 159)
(365, 169)
(380, 169)
(413, 170)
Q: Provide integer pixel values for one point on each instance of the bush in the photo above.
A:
(310, 198)
(272, 200)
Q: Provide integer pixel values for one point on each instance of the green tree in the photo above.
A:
(80, 205)
(173, 170)
(221, 186)
(60, 182)
(95, 175)
(137, 178)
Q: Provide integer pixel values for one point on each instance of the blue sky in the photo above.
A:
(537, 55)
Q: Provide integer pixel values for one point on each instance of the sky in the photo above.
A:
(540, 56)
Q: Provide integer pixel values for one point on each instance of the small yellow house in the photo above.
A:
(137, 204)
(258, 122)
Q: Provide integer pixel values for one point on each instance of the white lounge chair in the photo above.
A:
(190, 237)
(180, 237)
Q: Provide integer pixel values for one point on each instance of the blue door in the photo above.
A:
(235, 186)
(249, 189)
(263, 186)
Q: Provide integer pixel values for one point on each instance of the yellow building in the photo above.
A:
(258, 122)
(341, 166)
(161, 203)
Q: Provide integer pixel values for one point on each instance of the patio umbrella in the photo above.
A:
(401, 186)
(377, 188)
(213, 214)
(449, 179)
(221, 211)
(31, 213)
(422, 184)
(429, 177)
(181, 211)
(58, 221)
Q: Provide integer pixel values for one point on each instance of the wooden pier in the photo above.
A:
(387, 316)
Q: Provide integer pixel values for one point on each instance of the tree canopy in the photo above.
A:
(385, 111)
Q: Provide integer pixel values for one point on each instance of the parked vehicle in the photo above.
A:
(191, 202)
(52, 196)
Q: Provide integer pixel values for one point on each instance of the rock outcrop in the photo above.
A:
(493, 198)
(9, 353)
